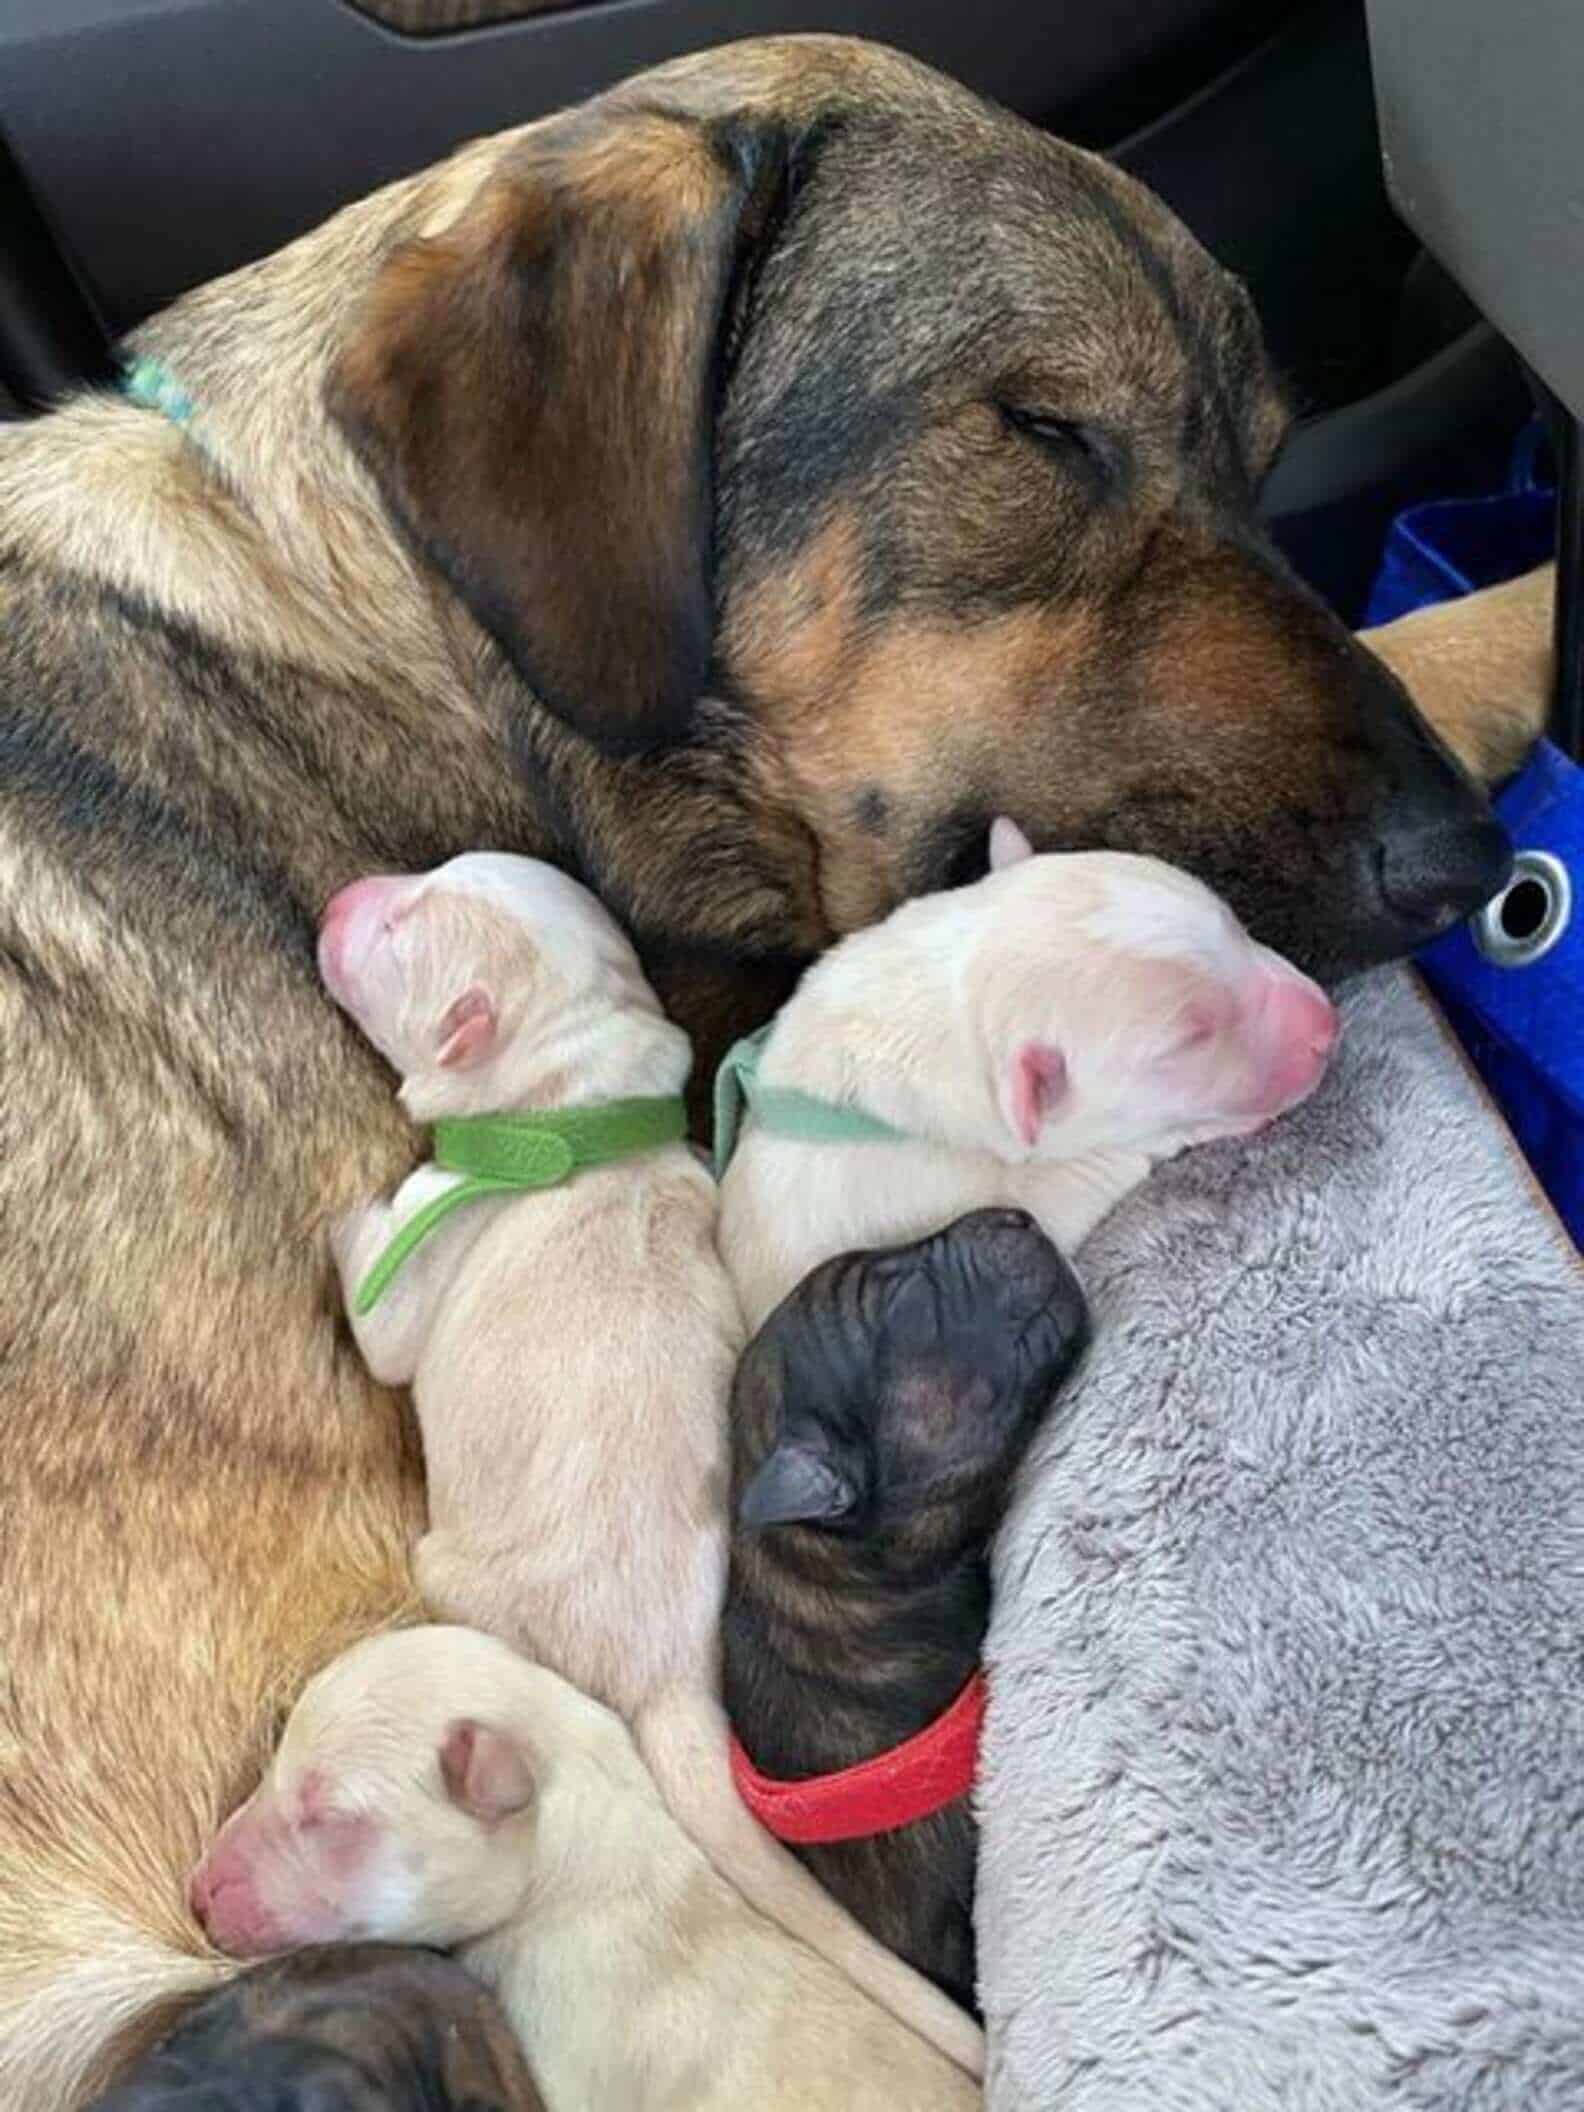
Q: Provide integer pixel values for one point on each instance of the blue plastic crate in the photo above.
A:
(1524, 1026)
(1522, 1023)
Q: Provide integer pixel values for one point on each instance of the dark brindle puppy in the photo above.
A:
(877, 1420)
(740, 489)
(362, 2028)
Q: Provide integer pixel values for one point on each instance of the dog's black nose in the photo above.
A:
(1435, 872)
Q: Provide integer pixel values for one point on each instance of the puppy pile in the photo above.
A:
(547, 1782)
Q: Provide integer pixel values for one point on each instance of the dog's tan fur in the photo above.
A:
(235, 672)
(1481, 669)
(489, 1804)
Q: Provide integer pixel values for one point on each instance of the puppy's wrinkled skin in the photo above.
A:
(349, 2029)
(877, 1420)
(1042, 1038)
(736, 490)
(435, 1787)
(571, 1351)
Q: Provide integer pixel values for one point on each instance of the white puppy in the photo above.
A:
(572, 1350)
(432, 1787)
(1041, 1039)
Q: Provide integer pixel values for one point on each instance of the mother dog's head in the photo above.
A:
(790, 408)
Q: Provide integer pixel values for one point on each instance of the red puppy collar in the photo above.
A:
(922, 1775)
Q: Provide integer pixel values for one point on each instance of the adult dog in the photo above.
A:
(741, 489)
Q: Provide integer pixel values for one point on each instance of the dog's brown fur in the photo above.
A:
(366, 2027)
(797, 300)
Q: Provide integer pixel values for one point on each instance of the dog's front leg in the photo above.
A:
(1479, 669)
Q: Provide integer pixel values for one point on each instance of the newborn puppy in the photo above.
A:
(878, 1418)
(414, 2034)
(572, 1349)
(1041, 1039)
(434, 1787)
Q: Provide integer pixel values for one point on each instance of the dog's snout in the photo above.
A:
(1435, 871)
(1008, 1224)
(220, 1903)
(1292, 1029)
(227, 1907)
(1439, 852)
(352, 919)
(1006, 1245)
(199, 1889)
(1008, 1267)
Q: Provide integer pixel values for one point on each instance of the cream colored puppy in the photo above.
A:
(433, 1787)
(572, 1350)
(1042, 1039)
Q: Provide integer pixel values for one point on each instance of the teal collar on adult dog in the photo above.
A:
(151, 384)
(782, 1109)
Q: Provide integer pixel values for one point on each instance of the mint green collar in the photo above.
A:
(782, 1109)
(517, 1154)
(151, 384)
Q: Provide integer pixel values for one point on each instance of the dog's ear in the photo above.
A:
(467, 1030)
(485, 1771)
(534, 393)
(1034, 1087)
(808, 1479)
(1008, 844)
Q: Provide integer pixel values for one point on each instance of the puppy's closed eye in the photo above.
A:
(339, 1836)
(1196, 1029)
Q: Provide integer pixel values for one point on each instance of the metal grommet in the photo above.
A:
(1529, 915)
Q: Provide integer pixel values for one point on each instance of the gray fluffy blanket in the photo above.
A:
(1283, 1795)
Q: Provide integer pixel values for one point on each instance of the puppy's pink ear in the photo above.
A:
(1008, 844)
(486, 1773)
(467, 1029)
(1037, 1087)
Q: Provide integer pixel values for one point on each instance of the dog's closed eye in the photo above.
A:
(1071, 441)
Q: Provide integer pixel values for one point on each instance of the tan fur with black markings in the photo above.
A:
(231, 679)
(368, 2027)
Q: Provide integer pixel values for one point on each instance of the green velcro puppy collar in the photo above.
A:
(783, 1110)
(517, 1154)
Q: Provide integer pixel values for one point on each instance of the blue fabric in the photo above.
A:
(1523, 1027)
(1451, 546)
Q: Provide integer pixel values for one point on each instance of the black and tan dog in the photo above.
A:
(878, 1418)
(360, 2028)
(740, 489)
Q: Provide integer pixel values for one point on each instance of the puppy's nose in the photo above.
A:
(227, 1909)
(351, 921)
(1297, 1027)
